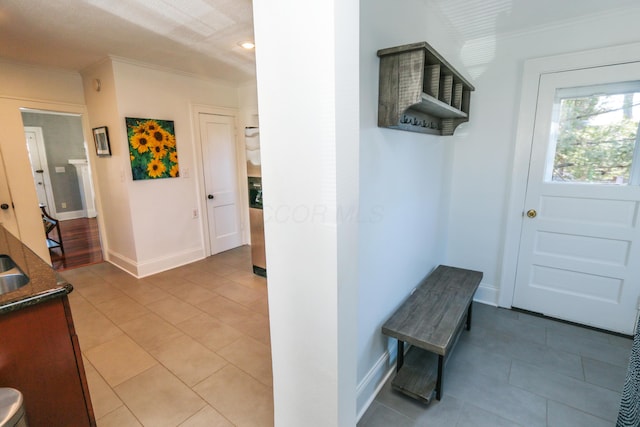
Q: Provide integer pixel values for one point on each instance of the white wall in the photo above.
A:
(403, 188)
(39, 83)
(308, 103)
(483, 158)
(248, 103)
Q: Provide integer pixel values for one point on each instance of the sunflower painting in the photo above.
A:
(152, 148)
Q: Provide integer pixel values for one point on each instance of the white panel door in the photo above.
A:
(219, 162)
(579, 256)
(7, 214)
(40, 168)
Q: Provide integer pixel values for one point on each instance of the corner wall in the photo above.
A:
(152, 228)
(111, 191)
(308, 103)
(403, 189)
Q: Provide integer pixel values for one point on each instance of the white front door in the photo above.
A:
(579, 249)
(219, 163)
(40, 168)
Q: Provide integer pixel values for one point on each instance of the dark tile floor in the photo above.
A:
(514, 369)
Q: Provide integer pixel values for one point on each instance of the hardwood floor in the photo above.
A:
(81, 244)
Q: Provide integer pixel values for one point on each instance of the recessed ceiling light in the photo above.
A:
(247, 45)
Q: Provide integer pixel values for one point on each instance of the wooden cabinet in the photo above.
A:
(420, 92)
(40, 356)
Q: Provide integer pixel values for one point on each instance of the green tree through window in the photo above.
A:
(596, 137)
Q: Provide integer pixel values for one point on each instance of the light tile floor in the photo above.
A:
(188, 347)
(514, 369)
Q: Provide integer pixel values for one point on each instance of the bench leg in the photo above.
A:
(439, 379)
(400, 358)
(469, 316)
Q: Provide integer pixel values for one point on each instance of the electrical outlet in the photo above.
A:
(64, 205)
(194, 214)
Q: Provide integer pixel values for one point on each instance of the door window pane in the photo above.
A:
(594, 131)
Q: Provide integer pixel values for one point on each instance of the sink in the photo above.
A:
(11, 282)
(11, 277)
(11, 407)
(6, 263)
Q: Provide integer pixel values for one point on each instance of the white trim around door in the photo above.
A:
(198, 173)
(533, 69)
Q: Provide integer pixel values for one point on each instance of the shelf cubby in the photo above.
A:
(420, 91)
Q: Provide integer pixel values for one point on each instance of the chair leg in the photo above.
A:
(59, 236)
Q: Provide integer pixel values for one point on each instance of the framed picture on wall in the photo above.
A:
(152, 148)
(101, 138)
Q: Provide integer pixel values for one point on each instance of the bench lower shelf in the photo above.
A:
(418, 376)
(419, 373)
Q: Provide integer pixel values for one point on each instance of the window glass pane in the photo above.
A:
(594, 132)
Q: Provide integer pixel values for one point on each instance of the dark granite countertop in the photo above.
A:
(44, 283)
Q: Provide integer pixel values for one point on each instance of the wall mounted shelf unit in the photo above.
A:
(420, 91)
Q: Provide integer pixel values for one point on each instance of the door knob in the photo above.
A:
(210, 196)
(531, 213)
(4, 206)
(39, 171)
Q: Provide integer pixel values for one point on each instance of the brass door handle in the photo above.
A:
(531, 213)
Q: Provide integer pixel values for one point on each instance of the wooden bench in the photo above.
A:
(431, 320)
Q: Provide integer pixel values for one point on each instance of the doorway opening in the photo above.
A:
(62, 178)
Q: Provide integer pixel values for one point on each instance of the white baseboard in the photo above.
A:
(122, 262)
(63, 216)
(373, 382)
(157, 265)
(487, 294)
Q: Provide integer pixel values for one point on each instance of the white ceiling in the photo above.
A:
(196, 36)
(473, 19)
(201, 36)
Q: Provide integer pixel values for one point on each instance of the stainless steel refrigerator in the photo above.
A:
(256, 217)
